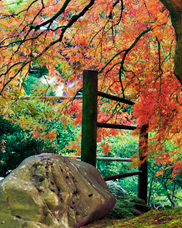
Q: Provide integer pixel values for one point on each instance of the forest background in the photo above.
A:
(132, 46)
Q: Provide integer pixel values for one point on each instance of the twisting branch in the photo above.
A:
(31, 24)
(110, 19)
(54, 17)
(113, 67)
(121, 13)
(126, 51)
(73, 19)
(11, 78)
(70, 23)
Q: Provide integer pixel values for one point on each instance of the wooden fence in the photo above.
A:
(89, 131)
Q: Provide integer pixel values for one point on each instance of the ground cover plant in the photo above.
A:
(155, 218)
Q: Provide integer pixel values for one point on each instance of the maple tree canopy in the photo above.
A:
(130, 43)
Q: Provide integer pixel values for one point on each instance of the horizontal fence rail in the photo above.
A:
(116, 126)
(103, 158)
(111, 97)
(48, 97)
(122, 175)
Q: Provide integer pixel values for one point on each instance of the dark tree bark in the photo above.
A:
(175, 9)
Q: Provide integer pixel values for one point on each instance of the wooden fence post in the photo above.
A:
(89, 117)
(143, 156)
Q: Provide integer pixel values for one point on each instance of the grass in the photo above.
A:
(154, 218)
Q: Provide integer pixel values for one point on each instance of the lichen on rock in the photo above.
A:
(49, 190)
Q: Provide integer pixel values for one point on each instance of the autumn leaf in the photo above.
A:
(130, 43)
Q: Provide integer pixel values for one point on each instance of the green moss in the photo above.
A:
(49, 220)
(119, 211)
(171, 218)
(127, 206)
(9, 221)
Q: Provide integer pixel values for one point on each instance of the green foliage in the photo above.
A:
(18, 144)
(122, 146)
(33, 84)
(65, 134)
(13, 5)
(163, 191)
(5, 126)
(60, 68)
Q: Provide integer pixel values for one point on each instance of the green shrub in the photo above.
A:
(6, 126)
(17, 146)
(18, 143)
(65, 134)
(163, 191)
(122, 146)
(33, 83)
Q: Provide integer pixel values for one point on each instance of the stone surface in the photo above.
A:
(48, 190)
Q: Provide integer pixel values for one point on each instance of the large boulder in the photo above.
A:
(48, 190)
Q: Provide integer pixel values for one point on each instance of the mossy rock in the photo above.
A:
(49, 190)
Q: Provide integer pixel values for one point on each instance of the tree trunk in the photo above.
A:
(175, 9)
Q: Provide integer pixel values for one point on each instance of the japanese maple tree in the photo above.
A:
(130, 43)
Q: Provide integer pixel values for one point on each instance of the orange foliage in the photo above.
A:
(130, 43)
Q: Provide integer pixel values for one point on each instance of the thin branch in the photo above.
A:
(120, 73)
(24, 64)
(121, 13)
(31, 24)
(113, 67)
(126, 50)
(70, 23)
(54, 17)
(22, 41)
(160, 68)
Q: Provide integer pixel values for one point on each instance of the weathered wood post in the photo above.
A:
(89, 117)
(143, 156)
